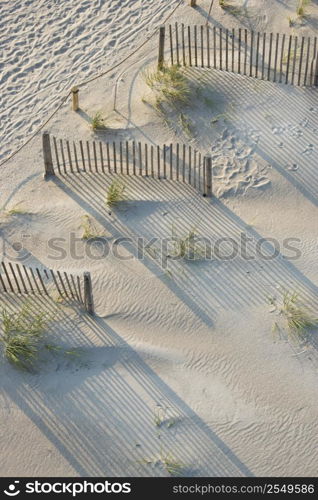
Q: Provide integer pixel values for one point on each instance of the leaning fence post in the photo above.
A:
(47, 155)
(75, 104)
(193, 3)
(88, 293)
(208, 176)
(161, 54)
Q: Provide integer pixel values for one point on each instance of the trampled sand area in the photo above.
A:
(186, 367)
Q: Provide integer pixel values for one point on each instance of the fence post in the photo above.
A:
(161, 54)
(47, 155)
(193, 3)
(75, 104)
(88, 293)
(208, 176)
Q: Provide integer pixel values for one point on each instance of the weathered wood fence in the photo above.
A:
(18, 279)
(274, 57)
(175, 162)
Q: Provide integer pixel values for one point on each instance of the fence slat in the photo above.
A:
(7, 276)
(311, 83)
(208, 45)
(282, 59)
(62, 283)
(115, 157)
(171, 44)
(226, 50)
(108, 157)
(41, 281)
(28, 278)
(152, 161)
(233, 48)
(301, 59)
(35, 281)
(270, 57)
(121, 157)
(202, 49)
(307, 61)
(214, 47)
(63, 156)
(14, 277)
(95, 156)
(76, 157)
(164, 162)
(288, 58)
(220, 48)
(101, 156)
(257, 54)
(146, 158)
(177, 43)
(134, 157)
(294, 60)
(263, 55)
(239, 51)
(195, 45)
(75, 289)
(69, 156)
(183, 162)
(80, 289)
(171, 159)
(82, 155)
(251, 54)
(177, 161)
(158, 162)
(57, 156)
(189, 46)
(89, 156)
(276, 57)
(55, 283)
(69, 285)
(127, 158)
(140, 158)
(183, 45)
(245, 51)
(21, 278)
(2, 283)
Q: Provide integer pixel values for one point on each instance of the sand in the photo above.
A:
(190, 342)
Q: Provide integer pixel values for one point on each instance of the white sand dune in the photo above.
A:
(190, 341)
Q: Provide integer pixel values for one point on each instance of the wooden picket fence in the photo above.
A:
(274, 57)
(18, 279)
(174, 161)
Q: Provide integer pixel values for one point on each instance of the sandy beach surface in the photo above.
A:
(182, 361)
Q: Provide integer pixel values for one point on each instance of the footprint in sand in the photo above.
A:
(309, 149)
(292, 166)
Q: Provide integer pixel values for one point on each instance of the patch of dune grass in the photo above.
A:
(97, 121)
(301, 8)
(22, 335)
(89, 229)
(115, 193)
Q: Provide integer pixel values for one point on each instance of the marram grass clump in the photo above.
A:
(21, 336)
(115, 193)
(169, 83)
(89, 229)
(296, 317)
(97, 121)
